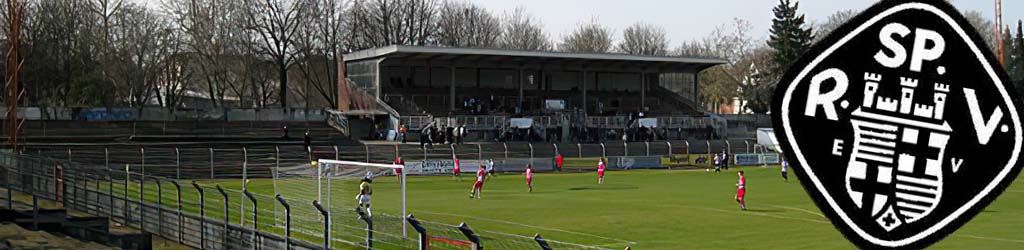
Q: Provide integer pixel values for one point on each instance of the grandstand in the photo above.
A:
(570, 96)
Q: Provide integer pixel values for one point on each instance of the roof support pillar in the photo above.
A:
(696, 89)
(451, 91)
(643, 90)
(519, 106)
(583, 81)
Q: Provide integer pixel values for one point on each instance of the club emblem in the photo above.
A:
(901, 124)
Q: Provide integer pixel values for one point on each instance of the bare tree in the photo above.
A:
(985, 28)
(462, 24)
(376, 23)
(275, 22)
(644, 39)
(589, 37)
(320, 44)
(832, 22)
(64, 43)
(522, 31)
(137, 39)
(743, 76)
(174, 74)
(208, 26)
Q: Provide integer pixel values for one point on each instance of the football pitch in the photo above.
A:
(651, 209)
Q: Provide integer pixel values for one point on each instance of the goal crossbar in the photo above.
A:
(327, 162)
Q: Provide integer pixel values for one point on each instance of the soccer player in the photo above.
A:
(741, 190)
(529, 177)
(558, 162)
(725, 159)
(490, 168)
(398, 171)
(478, 186)
(364, 193)
(456, 171)
(718, 164)
(785, 167)
(600, 171)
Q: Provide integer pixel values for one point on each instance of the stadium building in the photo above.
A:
(530, 95)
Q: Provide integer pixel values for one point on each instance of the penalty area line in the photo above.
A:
(531, 226)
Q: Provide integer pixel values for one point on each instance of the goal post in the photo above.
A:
(354, 170)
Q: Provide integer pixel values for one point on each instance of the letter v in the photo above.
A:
(984, 128)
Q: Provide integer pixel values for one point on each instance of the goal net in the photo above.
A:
(359, 193)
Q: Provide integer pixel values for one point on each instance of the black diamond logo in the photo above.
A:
(901, 124)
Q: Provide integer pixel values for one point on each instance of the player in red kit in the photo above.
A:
(741, 189)
(478, 186)
(456, 171)
(529, 177)
(398, 171)
(600, 171)
(558, 162)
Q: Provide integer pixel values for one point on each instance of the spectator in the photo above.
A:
(402, 130)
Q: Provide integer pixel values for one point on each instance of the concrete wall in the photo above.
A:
(160, 114)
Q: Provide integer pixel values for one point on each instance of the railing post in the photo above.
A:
(177, 187)
(142, 189)
(728, 147)
(505, 145)
(255, 220)
(625, 149)
(110, 192)
(709, 148)
(287, 221)
(369, 227)
(159, 207)
(227, 216)
(211, 163)
(668, 144)
(327, 224)
(472, 237)
(579, 149)
(202, 215)
(746, 144)
(603, 152)
(424, 243)
(367, 148)
(531, 152)
(337, 155)
(542, 242)
(480, 152)
(127, 209)
(177, 163)
(647, 146)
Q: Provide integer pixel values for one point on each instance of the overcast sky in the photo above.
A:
(686, 20)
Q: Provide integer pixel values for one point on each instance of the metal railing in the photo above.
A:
(161, 191)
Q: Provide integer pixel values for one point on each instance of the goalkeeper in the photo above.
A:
(364, 193)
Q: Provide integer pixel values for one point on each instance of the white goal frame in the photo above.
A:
(319, 176)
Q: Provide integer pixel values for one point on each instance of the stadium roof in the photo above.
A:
(484, 57)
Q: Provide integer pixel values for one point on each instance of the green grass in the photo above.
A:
(646, 209)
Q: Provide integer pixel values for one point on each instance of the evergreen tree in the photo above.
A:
(1007, 49)
(789, 37)
(1015, 59)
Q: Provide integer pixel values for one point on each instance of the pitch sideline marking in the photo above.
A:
(750, 212)
(797, 209)
(531, 226)
(990, 238)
